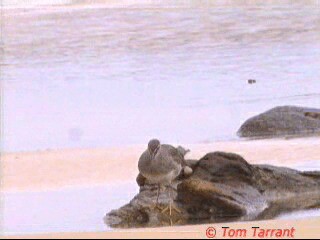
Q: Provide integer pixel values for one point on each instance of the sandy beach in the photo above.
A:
(54, 169)
(49, 174)
(303, 229)
(177, 71)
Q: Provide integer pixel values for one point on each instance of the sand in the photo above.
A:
(303, 229)
(54, 169)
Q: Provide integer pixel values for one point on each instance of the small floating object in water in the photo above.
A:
(252, 81)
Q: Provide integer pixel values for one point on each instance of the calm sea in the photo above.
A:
(93, 75)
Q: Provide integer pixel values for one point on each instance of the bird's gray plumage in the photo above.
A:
(162, 166)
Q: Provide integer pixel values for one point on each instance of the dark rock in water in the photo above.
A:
(252, 81)
(223, 187)
(282, 121)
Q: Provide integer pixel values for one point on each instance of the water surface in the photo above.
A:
(68, 210)
(83, 209)
(95, 77)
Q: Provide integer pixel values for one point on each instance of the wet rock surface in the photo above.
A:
(282, 121)
(223, 187)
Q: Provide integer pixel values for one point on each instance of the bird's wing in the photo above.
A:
(143, 160)
(154, 167)
(175, 155)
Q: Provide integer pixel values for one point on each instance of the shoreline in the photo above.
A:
(56, 169)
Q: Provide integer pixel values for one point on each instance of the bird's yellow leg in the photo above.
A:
(170, 203)
(171, 206)
(170, 209)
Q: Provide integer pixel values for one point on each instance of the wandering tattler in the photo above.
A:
(161, 164)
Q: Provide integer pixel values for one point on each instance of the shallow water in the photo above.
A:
(310, 165)
(68, 210)
(94, 77)
(301, 214)
(81, 209)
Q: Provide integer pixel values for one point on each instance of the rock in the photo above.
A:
(223, 187)
(192, 163)
(281, 122)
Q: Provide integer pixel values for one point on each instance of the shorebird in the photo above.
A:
(161, 164)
